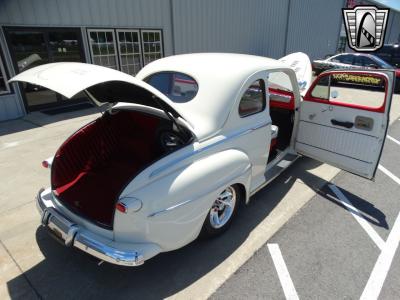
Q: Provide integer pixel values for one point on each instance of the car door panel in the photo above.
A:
(347, 135)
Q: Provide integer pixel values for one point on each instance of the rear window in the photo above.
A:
(176, 86)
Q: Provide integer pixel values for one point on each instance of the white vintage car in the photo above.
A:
(182, 144)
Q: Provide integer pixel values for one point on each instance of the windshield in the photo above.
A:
(176, 86)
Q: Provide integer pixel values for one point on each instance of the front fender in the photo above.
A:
(175, 206)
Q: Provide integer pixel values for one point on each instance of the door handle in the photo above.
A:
(341, 123)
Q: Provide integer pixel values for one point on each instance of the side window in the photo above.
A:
(321, 89)
(344, 59)
(349, 89)
(359, 89)
(253, 100)
(364, 62)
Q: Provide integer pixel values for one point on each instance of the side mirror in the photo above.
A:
(334, 94)
(372, 66)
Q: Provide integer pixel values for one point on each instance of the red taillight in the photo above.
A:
(45, 164)
(121, 207)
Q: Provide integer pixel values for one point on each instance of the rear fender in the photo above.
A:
(175, 206)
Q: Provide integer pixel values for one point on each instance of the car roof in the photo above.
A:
(219, 76)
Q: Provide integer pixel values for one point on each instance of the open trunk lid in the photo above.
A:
(103, 85)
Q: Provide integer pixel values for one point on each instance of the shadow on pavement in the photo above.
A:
(365, 209)
(69, 273)
(38, 119)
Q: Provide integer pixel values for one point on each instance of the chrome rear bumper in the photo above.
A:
(73, 235)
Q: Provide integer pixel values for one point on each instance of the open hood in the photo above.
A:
(104, 85)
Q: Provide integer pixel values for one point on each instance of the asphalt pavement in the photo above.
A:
(340, 245)
(321, 250)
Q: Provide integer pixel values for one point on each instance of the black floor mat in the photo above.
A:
(64, 109)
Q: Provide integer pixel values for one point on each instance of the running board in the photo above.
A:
(276, 170)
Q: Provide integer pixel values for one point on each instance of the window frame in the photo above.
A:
(310, 98)
(142, 31)
(4, 75)
(264, 98)
(92, 55)
(119, 49)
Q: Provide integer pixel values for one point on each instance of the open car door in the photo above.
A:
(344, 117)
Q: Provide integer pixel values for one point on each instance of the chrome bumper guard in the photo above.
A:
(73, 235)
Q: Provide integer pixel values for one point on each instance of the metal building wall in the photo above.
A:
(87, 13)
(79, 13)
(393, 28)
(242, 26)
(314, 26)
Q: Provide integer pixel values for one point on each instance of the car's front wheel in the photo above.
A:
(222, 211)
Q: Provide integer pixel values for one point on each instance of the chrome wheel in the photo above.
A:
(222, 208)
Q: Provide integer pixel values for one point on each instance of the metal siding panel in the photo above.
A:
(26, 8)
(255, 27)
(53, 12)
(63, 7)
(102, 13)
(314, 31)
(9, 108)
(393, 28)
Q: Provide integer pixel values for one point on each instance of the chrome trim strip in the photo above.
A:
(191, 200)
(225, 139)
(72, 235)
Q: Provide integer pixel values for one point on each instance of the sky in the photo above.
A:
(393, 4)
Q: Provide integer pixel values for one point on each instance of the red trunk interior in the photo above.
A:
(93, 166)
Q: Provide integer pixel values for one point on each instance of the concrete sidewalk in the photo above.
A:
(33, 266)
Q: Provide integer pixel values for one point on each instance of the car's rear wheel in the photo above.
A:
(222, 212)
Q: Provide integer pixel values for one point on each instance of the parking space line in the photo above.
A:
(393, 139)
(358, 216)
(382, 265)
(390, 174)
(283, 273)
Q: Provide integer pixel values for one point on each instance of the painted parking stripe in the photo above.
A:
(390, 174)
(358, 216)
(382, 265)
(283, 273)
(393, 139)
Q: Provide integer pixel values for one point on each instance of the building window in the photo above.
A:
(102, 48)
(4, 87)
(127, 50)
(130, 53)
(152, 45)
